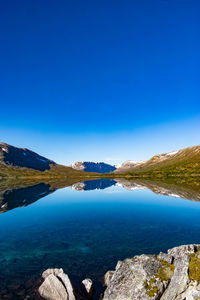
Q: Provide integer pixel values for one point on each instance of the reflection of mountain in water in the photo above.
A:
(13, 198)
(190, 192)
(98, 184)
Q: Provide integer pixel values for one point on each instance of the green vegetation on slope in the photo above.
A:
(55, 171)
(184, 163)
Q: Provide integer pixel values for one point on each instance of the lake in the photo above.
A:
(87, 227)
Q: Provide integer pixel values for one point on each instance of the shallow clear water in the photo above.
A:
(87, 232)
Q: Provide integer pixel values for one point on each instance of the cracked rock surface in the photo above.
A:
(57, 286)
(171, 276)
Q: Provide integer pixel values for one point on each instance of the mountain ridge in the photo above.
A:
(22, 162)
(23, 157)
(184, 161)
(89, 166)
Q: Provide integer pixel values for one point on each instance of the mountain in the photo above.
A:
(183, 162)
(22, 157)
(88, 166)
(22, 162)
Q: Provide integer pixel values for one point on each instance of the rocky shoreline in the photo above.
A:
(174, 275)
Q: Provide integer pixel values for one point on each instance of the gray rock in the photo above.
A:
(166, 257)
(88, 285)
(180, 281)
(55, 272)
(67, 284)
(53, 289)
(131, 277)
(107, 277)
(56, 286)
(168, 276)
(183, 250)
(191, 293)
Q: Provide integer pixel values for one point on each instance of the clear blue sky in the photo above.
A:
(100, 80)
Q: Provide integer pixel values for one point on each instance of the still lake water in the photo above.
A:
(86, 230)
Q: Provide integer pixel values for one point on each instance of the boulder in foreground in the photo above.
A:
(57, 286)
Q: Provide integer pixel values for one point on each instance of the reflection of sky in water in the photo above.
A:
(86, 233)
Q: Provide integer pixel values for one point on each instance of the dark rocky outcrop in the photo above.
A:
(88, 166)
(22, 157)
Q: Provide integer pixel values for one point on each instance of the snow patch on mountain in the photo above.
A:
(131, 163)
(4, 149)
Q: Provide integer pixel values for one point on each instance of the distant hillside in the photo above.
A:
(93, 167)
(183, 162)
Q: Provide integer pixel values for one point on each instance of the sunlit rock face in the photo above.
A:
(128, 164)
(22, 157)
(174, 276)
(56, 285)
(93, 167)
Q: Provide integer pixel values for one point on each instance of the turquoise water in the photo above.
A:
(87, 232)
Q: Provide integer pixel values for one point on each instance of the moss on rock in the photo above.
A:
(165, 273)
(151, 287)
(194, 267)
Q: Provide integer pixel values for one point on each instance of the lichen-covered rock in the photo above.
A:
(136, 279)
(171, 276)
